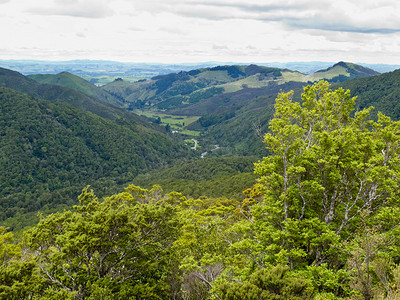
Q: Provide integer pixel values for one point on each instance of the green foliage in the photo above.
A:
(119, 246)
(67, 79)
(273, 284)
(321, 223)
(380, 91)
(211, 177)
(48, 151)
(326, 166)
(18, 278)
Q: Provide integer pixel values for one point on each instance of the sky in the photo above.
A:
(192, 31)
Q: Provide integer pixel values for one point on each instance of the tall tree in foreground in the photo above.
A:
(328, 165)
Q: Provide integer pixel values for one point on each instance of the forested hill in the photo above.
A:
(50, 151)
(72, 81)
(58, 93)
(382, 92)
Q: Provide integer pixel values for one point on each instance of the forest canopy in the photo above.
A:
(322, 222)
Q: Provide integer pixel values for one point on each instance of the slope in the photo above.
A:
(57, 93)
(381, 92)
(211, 177)
(67, 79)
(185, 91)
(235, 121)
(340, 72)
(50, 151)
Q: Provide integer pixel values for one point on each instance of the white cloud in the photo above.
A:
(75, 8)
(220, 47)
(199, 30)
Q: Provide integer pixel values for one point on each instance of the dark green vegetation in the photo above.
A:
(381, 92)
(321, 223)
(72, 81)
(58, 93)
(49, 151)
(235, 121)
(211, 177)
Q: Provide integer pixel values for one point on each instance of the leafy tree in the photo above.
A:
(120, 246)
(18, 277)
(326, 167)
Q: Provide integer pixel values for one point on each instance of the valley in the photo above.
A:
(204, 183)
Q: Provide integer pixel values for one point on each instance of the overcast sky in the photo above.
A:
(179, 31)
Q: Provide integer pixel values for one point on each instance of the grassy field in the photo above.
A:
(177, 123)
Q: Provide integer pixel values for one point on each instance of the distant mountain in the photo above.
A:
(181, 90)
(309, 67)
(184, 92)
(67, 79)
(342, 71)
(50, 151)
(97, 69)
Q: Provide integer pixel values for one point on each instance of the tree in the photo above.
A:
(18, 276)
(327, 165)
(120, 246)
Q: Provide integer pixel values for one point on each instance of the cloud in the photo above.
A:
(220, 47)
(342, 15)
(327, 25)
(135, 28)
(174, 30)
(4, 1)
(75, 8)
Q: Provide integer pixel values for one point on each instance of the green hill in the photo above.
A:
(183, 89)
(58, 93)
(187, 90)
(67, 79)
(342, 71)
(381, 92)
(50, 151)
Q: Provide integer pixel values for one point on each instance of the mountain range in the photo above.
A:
(182, 91)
